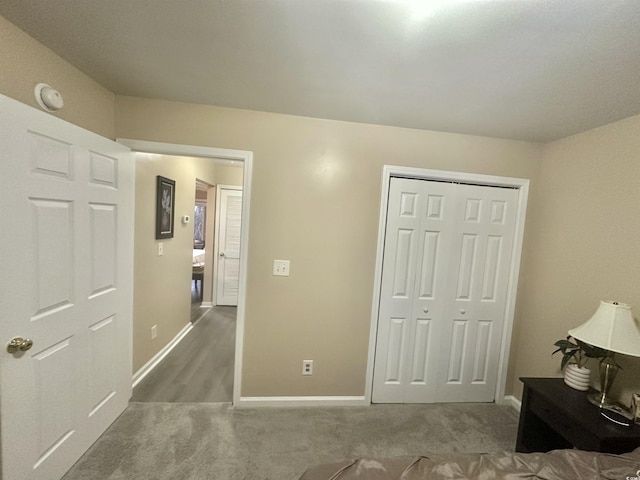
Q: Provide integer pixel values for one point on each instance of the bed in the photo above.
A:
(554, 465)
(198, 256)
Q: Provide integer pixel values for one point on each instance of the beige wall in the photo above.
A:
(24, 63)
(162, 284)
(582, 246)
(315, 200)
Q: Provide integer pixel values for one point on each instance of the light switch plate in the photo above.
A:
(160, 249)
(281, 268)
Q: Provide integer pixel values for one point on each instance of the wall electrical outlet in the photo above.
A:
(307, 367)
(154, 332)
(281, 268)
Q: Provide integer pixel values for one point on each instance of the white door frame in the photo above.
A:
(479, 179)
(246, 157)
(216, 253)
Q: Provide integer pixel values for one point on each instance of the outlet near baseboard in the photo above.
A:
(154, 332)
(307, 367)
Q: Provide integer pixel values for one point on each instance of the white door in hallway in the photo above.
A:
(67, 271)
(229, 225)
(447, 256)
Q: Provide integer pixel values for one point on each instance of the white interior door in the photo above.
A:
(482, 248)
(413, 296)
(445, 253)
(67, 243)
(229, 225)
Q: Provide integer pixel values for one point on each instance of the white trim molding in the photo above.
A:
(157, 358)
(512, 401)
(522, 185)
(230, 157)
(310, 401)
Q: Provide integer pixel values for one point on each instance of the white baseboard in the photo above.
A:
(512, 402)
(206, 305)
(157, 358)
(338, 401)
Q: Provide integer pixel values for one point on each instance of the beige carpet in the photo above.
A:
(176, 441)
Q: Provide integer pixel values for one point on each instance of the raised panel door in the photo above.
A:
(416, 248)
(482, 244)
(445, 271)
(67, 243)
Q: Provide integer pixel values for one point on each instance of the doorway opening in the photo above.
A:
(199, 244)
(222, 161)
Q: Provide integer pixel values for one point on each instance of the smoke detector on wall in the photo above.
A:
(48, 97)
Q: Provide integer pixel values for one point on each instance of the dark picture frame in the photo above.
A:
(165, 206)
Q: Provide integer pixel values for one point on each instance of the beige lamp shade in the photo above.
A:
(613, 328)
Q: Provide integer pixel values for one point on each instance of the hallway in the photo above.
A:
(200, 367)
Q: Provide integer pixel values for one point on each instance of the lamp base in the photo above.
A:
(608, 371)
(600, 399)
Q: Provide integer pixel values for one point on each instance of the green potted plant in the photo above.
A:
(574, 359)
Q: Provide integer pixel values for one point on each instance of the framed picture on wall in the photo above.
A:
(165, 199)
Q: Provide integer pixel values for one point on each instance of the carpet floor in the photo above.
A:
(209, 441)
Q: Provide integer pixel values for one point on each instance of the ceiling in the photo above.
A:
(532, 70)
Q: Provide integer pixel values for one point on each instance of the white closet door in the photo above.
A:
(443, 292)
(67, 243)
(413, 293)
(229, 217)
(483, 237)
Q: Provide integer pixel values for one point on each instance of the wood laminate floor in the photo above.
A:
(200, 367)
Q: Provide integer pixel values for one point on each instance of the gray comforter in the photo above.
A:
(556, 465)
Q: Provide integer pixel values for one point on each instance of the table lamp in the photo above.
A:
(614, 329)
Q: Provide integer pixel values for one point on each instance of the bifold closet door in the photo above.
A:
(418, 239)
(443, 291)
(478, 281)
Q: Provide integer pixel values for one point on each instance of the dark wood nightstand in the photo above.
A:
(555, 416)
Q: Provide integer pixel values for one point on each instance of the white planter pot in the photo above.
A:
(577, 377)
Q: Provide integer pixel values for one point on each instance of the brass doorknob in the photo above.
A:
(19, 343)
(222, 254)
